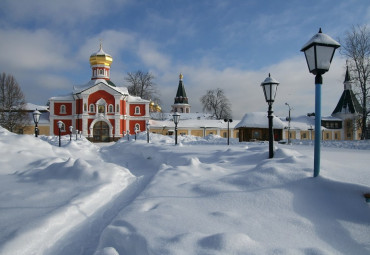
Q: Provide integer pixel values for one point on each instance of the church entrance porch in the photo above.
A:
(101, 132)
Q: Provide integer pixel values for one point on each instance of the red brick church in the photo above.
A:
(99, 109)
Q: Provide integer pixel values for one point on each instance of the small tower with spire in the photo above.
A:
(100, 63)
(348, 109)
(181, 103)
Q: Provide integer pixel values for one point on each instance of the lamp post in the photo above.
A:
(269, 86)
(128, 135)
(76, 133)
(228, 132)
(36, 117)
(135, 132)
(147, 131)
(60, 125)
(70, 133)
(319, 52)
(288, 119)
(176, 119)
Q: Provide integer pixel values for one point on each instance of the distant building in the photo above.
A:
(43, 125)
(181, 104)
(99, 109)
(349, 111)
(254, 127)
(196, 124)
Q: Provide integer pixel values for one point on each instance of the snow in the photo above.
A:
(200, 197)
(259, 120)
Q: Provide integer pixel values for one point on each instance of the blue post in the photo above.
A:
(318, 83)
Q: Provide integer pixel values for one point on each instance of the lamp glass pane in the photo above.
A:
(310, 57)
(273, 91)
(176, 118)
(324, 56)
(267, 88)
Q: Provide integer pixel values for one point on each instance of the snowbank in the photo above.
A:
(200, 197)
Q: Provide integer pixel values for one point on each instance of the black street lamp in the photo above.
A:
(36, 117)
(135, 132)
(76, 133)
(269, 86)
(228, 130)
(176, 119)
(70, 133)
(128, 135)
(288, 119)
(319, 52)
(60, 125)
(147, 131)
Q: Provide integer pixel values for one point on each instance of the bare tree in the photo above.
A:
(142, 85)
(356, 47)
(216, 102)
(12, 113)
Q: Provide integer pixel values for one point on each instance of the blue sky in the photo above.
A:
(231, 45)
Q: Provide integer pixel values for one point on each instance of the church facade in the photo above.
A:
(99, 110)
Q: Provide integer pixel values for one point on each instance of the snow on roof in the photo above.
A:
(68, 97)
(303, 122)
(192, 123)
(132, 99)
(259, 120)
(92, 83)
(32, 107)
(184, 116)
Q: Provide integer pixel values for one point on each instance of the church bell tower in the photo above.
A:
(181, 104)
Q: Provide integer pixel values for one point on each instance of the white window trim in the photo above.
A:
(137, 112)
(92, 106)
(62, 109)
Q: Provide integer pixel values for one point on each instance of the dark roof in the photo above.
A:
(348, 102)
(111, 83)
(181, 97)
(347, 78)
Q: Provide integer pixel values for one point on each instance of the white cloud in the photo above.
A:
(153, 58)
(65, 13)
(243, 89)
(33, 50)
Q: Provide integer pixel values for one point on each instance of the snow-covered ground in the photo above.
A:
(200, 197)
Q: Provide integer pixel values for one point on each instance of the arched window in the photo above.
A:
(63, 109)
(137, 110)
(92, 108)
(110, 108)
(137, 127)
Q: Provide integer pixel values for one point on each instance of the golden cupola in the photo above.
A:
(100, 64)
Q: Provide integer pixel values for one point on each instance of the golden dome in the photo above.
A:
(101, 58)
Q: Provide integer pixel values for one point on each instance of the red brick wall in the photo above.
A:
(79, 106)
(134, 122)
(142, 109)
(94, 97)
(57, 107)
(67, 123)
